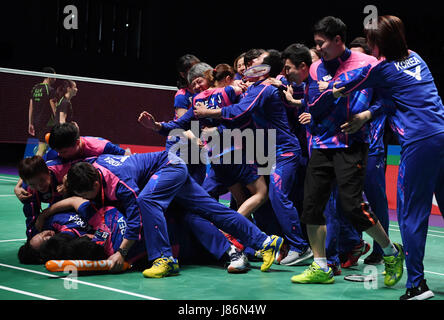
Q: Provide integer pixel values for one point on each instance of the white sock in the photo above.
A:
(322, 262)
(390, 250)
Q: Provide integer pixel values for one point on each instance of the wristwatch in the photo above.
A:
(123, 252)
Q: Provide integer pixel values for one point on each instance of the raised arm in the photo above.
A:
(60, 206)
(366, 77)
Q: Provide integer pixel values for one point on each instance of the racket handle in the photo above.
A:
(82, 265)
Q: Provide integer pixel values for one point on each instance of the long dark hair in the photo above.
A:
(219, 73)
(183, 64)
(389, 36)
(61, 246)
(28, 255)
(65, 247)
(31, 167)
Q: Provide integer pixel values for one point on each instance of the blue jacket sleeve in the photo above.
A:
(111, 148)
(86, 211)
(376, 108)
(183, 122)
(318, 103)
(366, 77)
(242, 110)
(128, 199)
(31, 210)
(181, 101)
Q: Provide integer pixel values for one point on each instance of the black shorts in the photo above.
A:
(347, 167)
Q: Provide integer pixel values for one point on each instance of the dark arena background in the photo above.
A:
(140, 41)
(124, 54)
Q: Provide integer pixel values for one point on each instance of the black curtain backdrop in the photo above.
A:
(139, 41)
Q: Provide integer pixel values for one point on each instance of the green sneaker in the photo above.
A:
(314, 274)
(270, 252)
(394, 266)
(162, 267)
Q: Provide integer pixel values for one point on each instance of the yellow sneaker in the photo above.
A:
(394, 266)
(270, 252)
(314, 274)
(162, 267)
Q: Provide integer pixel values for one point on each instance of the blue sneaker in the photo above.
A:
(270, 252)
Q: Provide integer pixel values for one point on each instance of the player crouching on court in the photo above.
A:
(145, 185)
(67, 145)
(43, 184)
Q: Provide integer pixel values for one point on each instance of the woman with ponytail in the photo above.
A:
(65, 92)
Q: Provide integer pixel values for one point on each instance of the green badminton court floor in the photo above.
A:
(195, 282)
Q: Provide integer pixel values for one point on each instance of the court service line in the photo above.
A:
(428, 234)
(429, 230)
(26, 293)
(9, 180)
(425, 271)
(9, 176)
(12, 240)
(7, 195)
(81, 282)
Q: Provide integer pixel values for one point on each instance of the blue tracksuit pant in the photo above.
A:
(374, 189)
(421, 173)
(173, 182)
(282, 180)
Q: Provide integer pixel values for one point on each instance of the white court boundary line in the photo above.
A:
(425, 271)
(81, 282)
(428, 235)
(26, 293)
(429, 230)
(7, 180)
(87, 79)
(11, 240)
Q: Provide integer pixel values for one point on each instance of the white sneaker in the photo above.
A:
(294, 257)
(238, 261)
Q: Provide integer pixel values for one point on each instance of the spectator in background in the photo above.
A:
(41, 110)
(65, 92)
(239, 67)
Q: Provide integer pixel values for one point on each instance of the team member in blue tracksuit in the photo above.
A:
(40, 181)
(263, 104)
(337, 155)
(341, 236)
(374, 185)
(221, 176)
(417, 114)
(144, 185)
(184, 96)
